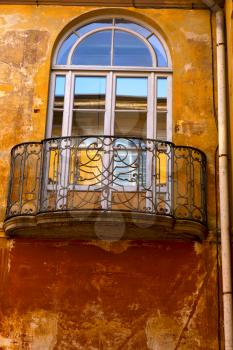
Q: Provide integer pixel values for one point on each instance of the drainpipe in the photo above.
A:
(223, 176)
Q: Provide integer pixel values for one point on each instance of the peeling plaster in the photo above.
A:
(187, 67)
(195, 36)
(117, 247)
(5, 342)
(8, 20)
(158, 332)
(3, 93)
(38, 101)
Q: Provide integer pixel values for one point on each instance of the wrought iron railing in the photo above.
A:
(107, 173)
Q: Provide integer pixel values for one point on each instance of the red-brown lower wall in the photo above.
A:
(108, 296)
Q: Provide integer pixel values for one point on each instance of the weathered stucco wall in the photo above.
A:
(98, 295)
(110, 296)
(27, 38)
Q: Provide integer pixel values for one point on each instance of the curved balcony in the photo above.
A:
(76, 186)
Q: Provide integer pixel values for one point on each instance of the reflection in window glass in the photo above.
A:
(132, 86)
(161, 109)
(128, 168)
(87, 123)
(60, 86)
(161, 126)
(159, 50)
(94, 50)
(88, 174)
(89, 93)
(162, 87)
(124, 23)
(130, 124)
(130, 51)
(57, 123)
(131, 96)
(65, 49)
(95, 25)
(129, 163)
(131, 93)
(89, 100)
(58, 106)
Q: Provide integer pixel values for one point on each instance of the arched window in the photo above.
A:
(111, 77)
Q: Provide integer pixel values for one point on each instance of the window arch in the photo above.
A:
(111, 76)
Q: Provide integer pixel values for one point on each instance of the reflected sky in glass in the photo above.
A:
(159, 50)
(60, 85)
(132, 87)
(95, 25)
(162, 87)
(94, 50)
(90, 85)
(65, 49)
(125, 86)
(123, 23)
(130, 51)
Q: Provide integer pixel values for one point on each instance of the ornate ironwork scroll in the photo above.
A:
(25, 176)
(108, 173)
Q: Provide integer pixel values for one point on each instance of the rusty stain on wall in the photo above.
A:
(189, 127)
(79, 296)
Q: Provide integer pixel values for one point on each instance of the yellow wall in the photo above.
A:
(27, 39)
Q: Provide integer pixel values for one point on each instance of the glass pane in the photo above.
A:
(130, 124)
(85, 168)
(95, 25)
(128, 167)
(94, 50)
(131, 93)
(161, 165)
(59, 91)
(124, 23)
(65, 49)
(130, 51)
(87, 123)
(162, 88)
(89, 93)
(161, 108)
(161, 126)
(57, 123)
(159, 50)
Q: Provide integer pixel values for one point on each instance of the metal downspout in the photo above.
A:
(223, 175)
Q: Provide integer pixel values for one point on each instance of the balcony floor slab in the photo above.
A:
(88, 225)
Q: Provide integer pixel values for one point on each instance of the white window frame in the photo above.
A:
(111, 73)
(110, 99)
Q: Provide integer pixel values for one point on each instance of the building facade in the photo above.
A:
(110, 228)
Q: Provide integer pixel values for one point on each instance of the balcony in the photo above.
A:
(78, 187)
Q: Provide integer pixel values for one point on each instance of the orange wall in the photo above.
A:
(92, 296)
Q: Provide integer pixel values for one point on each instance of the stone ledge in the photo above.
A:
(85, 225)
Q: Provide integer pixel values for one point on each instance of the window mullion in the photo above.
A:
(151, 107)
(155, 106)
(67, 115)
(112, 46)
(169, 108)
(113, 99)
